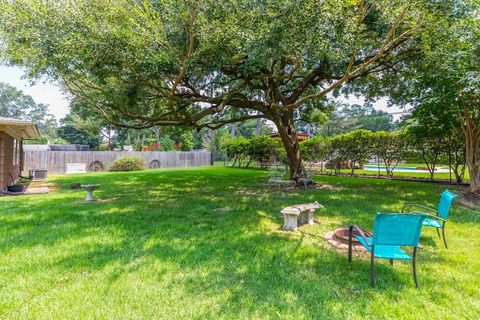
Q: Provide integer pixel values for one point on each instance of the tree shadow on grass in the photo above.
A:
(279, 278)
(171, 221)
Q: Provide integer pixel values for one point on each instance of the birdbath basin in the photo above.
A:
(89, 188)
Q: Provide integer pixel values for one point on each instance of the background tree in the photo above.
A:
(85, 119)
(192, 62)
(434, 134)
(426, 147)
(248, 128)
(367, 118)
(348, 118)
(72, 135)
(445, 80)
(337, 124)
(15, 104)
(456, 154)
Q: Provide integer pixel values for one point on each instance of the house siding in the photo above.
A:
(7, 167)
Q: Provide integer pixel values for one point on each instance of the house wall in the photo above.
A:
(6, 161)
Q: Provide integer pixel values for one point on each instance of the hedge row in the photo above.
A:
(354, 149)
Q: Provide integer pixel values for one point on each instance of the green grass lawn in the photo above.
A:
(204, 244)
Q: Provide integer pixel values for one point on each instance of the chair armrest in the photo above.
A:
(361, 232)
(418, 206)
(430, 215)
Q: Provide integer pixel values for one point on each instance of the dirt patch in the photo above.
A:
(324, 186)
(340, 244)
(469, 200)
(222, 209)
(315, 186)
(249, 192)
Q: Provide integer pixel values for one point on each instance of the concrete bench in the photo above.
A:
(299, 214)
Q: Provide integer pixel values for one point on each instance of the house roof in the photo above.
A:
(19, 129)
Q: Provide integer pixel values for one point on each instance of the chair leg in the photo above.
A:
(350, 232)
(372, 267)
(444, 239)
(438, 232)
(414, 262)
(391, 262)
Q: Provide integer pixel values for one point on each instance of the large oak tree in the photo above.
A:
(444, 86)
(206, 63)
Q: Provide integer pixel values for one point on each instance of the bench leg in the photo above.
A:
(290, 222)
(311, 216)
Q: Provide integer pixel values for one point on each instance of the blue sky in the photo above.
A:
(48, 93)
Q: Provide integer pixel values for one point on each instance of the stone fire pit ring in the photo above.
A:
(338, 238)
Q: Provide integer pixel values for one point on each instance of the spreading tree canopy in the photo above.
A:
(206, 63)
(444, 86)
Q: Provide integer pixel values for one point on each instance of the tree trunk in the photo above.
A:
(110, 145)
(288, 134)
(213, 147)
(472, 154)
(156, 131)
(258, 127)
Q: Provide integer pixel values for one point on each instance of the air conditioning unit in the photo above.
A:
(37, 174)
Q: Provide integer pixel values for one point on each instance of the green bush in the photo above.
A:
(127, 164)
(262, 149)
(315, 149)
(166, 143)
(236, 149)
(391, 147)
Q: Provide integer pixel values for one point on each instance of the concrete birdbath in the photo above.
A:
(89, 188)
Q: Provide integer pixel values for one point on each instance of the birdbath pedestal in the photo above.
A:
(89, 188)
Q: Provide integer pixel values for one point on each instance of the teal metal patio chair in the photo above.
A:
(441, 213)
(391, 231)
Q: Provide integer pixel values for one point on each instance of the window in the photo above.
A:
(16, 151)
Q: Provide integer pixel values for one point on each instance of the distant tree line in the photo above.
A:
(354, 149)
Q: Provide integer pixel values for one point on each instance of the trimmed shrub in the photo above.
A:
(236, 149)
(391, 147)
(127, 164)
(315, 149)
(262, 149)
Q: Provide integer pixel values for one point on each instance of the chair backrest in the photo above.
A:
(400, 229)
(445, 203)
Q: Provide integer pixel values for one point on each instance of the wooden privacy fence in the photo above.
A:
(56, 161)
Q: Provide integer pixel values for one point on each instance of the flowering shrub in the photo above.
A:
(152, 147)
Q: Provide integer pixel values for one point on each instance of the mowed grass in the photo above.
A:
(205, 243)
